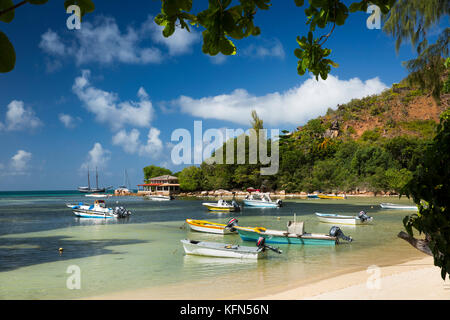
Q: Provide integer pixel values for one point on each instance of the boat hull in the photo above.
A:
(211, 249)
(330, 197)
(261, 204)
(337, 219)
(395, 206)
(310, 239)
(208, 227)
(215, 207)
(90, 214)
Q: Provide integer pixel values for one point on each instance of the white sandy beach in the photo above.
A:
(414, 280)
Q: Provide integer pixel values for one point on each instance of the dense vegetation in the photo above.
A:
(154, 171)
(429, 187)
(311, 161)
(328, 155)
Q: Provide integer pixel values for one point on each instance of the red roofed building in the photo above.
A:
(163, 185)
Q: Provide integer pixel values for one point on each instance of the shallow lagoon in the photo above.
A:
(144, 257)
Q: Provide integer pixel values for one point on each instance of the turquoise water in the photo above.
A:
(143, 256)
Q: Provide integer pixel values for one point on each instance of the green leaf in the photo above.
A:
(355, 7)
(169, 29)
(227, 47)
(7, 54)
(8, 16)
(86, 5)
(299, 3)
(68, 3)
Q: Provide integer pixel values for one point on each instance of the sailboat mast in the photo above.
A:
(96, 177)
(89, 182)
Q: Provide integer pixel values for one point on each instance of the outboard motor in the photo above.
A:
(235, 204)
(279, 202)
(121, 212)
(231, 223)
(337, 232)
(261, 244)
(363, 216)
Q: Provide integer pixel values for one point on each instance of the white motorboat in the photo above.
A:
(261, 200)
(397, 206)
(98, 210)
(222, 250)
(158, 197)
(362, 218)
(98, 195)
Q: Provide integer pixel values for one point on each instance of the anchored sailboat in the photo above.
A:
(88, 189)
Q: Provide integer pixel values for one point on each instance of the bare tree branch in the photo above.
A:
(421, 245)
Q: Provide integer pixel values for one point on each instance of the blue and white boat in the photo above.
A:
(261, 200)
(98, 210)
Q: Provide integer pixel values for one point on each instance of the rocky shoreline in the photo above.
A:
(221, 193)
(276, 194)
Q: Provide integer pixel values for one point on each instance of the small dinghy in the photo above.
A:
(222, 205)
(98, 210)
(221, 250)
(397, 206)
(361, 218)
(212, 227)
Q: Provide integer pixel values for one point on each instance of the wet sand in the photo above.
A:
(413, 280)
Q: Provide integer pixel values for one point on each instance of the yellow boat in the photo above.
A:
(322, 196)
(212, 227)
(222, 205)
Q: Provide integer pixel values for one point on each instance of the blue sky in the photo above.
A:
(111, 94)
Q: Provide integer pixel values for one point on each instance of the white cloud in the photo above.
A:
(102, 41)
(294, 106)
(107, 107)
(154, 145)
(218, 58)
(128, 141)
(52, 44)
(19, 162)
(19, 118)
(68, 121)
(180, 42)
(267, 48)
(131, 143)
(97, 157)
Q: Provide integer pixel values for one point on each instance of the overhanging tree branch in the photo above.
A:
(13, 7)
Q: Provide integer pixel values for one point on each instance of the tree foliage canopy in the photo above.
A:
(155, 171)
(430, 189)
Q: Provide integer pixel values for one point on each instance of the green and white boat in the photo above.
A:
(293, 235)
